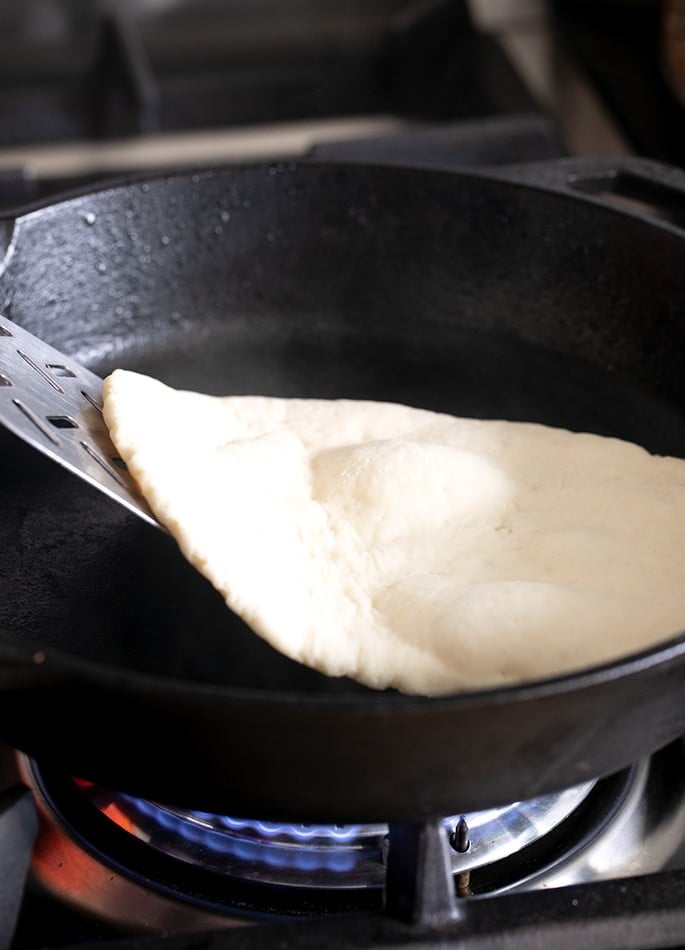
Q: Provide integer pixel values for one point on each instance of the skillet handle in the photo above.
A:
(647, 189)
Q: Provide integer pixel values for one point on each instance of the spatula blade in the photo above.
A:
(53, 403)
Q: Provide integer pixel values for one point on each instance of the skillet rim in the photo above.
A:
(62, 665)
(515, 175)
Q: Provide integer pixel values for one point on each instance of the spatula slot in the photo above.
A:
(63, 422)
(59, 370)
(4, 331)
(41, 372)
(4, 381)
(38, 423)
(92, 400)
(102, 462)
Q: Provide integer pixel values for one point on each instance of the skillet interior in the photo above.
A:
(82, 575)
(451, 292)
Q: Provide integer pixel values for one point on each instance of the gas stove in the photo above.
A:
(155, 86)
(149, 86)
(96, 865)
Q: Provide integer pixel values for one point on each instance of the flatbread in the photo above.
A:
(407, 548)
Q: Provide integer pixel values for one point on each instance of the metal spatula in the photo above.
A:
(54, 404)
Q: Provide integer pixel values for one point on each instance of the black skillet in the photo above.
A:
(463, 292)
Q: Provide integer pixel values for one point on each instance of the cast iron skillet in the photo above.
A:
(463, 292)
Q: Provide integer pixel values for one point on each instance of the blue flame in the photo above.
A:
(276, 844)
(268, 829)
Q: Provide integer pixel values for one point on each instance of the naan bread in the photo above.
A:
(408, 548)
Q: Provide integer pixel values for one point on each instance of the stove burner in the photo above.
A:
(332, 856)
(143, 866)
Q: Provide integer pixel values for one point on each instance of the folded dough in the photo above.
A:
(408, 548)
